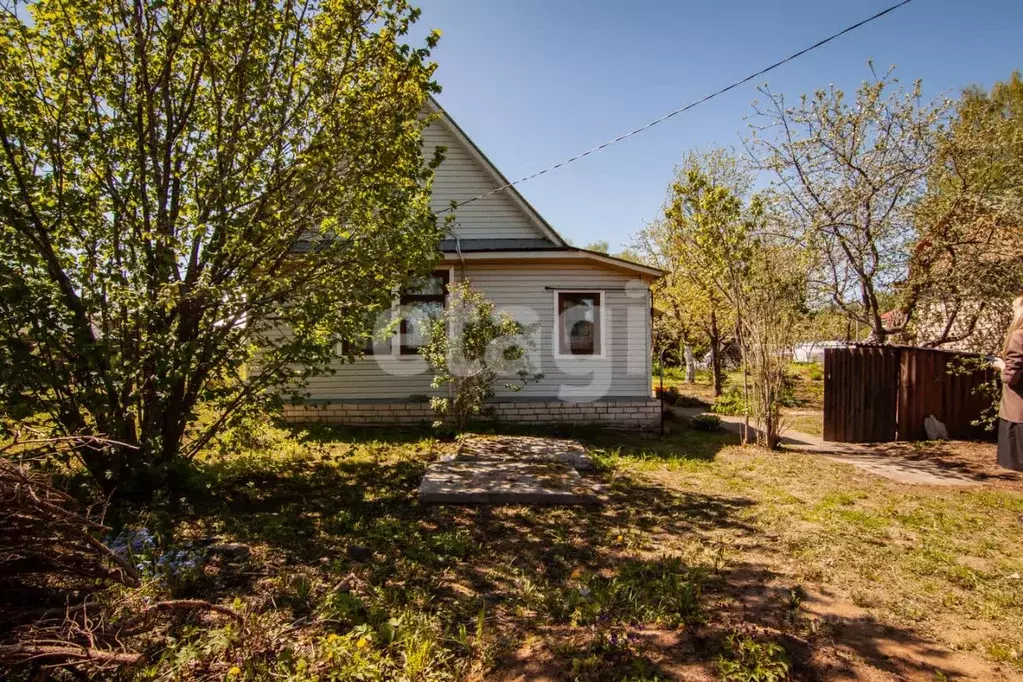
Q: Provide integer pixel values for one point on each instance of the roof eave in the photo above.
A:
(564, 254)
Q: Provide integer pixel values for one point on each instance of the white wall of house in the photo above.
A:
(523, 284)
(527, 291)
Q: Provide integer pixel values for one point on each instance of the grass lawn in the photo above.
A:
(707, 562)
(805, 411)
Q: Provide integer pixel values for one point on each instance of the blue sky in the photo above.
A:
(536, 81)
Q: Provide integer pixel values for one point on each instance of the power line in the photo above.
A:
(687, 107)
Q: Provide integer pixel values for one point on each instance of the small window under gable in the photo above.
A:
(580, 323)
(420, 306)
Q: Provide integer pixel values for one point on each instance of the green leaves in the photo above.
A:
(195, 197)
(469, 349)
(968, 260)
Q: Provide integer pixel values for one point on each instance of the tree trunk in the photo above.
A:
(877, 337)
(744, 350)
(690, 360)
(715, 354)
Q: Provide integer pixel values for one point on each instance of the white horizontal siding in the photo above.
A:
(460, 177)
(624, 371)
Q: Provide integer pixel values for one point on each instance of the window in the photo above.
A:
(421, 305)
(579, 323)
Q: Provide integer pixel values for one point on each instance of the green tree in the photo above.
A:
(968, 260)
(718, 241)
(703, 212)
(187, 187)
(469, 348)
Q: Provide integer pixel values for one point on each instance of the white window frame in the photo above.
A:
(602, 318)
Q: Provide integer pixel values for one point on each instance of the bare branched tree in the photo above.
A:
(850, 174)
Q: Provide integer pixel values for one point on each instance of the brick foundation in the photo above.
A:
(617, 413)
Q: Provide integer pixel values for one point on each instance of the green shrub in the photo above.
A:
(469, 347)
(706, 422)
(747, 660)
(730, 402)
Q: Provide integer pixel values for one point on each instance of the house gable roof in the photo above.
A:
(496, 179)
(545, 244)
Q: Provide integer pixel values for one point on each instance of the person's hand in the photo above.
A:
(998, 364)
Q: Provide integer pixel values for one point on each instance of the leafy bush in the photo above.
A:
(123, 307)
(730, 402)
(706, 422)
(468, 348)
(746, 660)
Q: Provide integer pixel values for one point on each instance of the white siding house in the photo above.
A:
(591, 313)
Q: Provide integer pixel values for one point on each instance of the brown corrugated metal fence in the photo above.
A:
(883, 393)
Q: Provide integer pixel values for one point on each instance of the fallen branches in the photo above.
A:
(66, 597)
(63, 652)
(44, 527)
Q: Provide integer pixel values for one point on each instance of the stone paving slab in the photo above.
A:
(504, 481)
(525, 449)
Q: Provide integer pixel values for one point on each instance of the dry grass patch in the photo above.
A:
(943, 562)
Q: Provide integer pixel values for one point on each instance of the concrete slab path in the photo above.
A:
(861, 455)
(526, 448)
(511, 470)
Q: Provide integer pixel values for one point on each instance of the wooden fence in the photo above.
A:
(883, 393)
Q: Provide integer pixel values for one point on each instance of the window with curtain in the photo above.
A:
(579, 323)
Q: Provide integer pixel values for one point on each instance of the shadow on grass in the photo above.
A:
(318, 432)
(591, 584)
(974, 459)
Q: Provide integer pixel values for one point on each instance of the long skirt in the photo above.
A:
(1010, 445)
